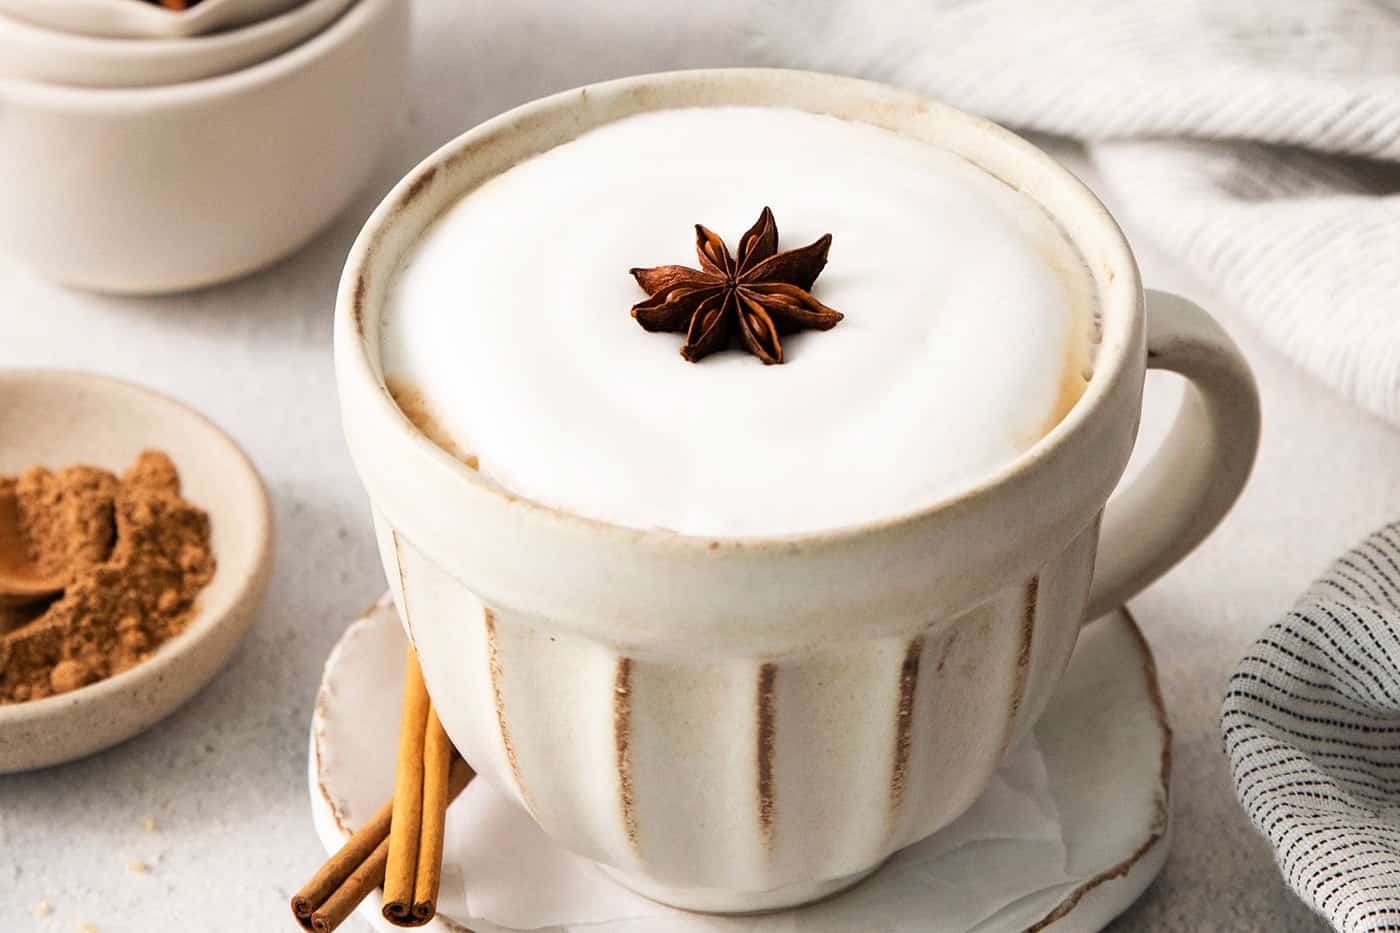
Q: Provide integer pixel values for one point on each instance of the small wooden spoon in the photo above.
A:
(21, 582)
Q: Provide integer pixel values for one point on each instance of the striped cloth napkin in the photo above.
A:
(1258, 140)
(1311, 724)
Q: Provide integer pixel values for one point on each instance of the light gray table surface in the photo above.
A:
(224, 779)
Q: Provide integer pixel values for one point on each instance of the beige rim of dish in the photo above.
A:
(58, 418)
(1104, 740)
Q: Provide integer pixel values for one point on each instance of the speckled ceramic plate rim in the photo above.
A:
(237, 607)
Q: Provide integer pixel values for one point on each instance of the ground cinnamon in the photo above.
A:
(133, 556)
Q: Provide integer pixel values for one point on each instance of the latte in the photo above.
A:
(967, 332)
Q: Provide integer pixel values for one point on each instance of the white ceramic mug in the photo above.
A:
(737, 725)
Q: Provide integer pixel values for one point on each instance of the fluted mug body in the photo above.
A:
(743, 724)
(733, 779)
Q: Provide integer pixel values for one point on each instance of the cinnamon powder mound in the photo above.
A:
(67, 518)
(134, 555)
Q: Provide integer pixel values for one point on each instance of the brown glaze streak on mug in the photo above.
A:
(904, 723)
(403, 589)
(767, 736)
(357, 304)
(1023, 657)
(417, 187)
(622, 738)
(494, 664)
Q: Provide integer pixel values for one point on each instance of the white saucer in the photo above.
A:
(1100, 761)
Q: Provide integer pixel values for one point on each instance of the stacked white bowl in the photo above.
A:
(145, 150)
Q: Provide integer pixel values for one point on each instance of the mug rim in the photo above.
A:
(1120, 297)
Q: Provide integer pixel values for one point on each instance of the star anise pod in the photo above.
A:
(762, 293)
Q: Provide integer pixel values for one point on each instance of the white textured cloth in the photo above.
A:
(1312, 728)
(1258, 139)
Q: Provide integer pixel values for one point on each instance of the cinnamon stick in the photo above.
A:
(356, 851)
(405, 825)
(437, 764)
(343, 901)
(358, 868)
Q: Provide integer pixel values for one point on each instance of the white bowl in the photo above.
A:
(59, 418)
(37, 53)
(125, 19)
(152, 190)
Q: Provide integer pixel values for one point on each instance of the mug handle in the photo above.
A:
(1202, 467)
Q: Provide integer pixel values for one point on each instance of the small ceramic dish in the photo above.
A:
(123, 19)
(36, 53)
(161, 189)
(59, 418)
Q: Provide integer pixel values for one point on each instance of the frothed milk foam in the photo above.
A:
(967, 333)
